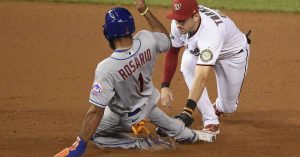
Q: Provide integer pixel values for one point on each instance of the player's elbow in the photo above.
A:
(202, 72)
(201, 76)
(95, 111)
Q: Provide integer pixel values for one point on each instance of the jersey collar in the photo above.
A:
(191, 35)
(127, 53)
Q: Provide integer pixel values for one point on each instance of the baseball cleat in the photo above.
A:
(205, 136)
(212, 129)
(218, 112)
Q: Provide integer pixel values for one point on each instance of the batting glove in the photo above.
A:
(185, 118)
(76, 150)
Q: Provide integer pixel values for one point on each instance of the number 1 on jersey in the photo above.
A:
(141, 81)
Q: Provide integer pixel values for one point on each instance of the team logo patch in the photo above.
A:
(206, 55)
(195, 52)
(177, 6)
(96, 90)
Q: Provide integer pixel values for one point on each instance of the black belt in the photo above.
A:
(130, 114)
(239, 52)
(248, 38)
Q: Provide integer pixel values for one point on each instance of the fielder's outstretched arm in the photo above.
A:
(170, 65)
(198, 85)
(201, 74)
(154, 23)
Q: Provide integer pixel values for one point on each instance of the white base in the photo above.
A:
(205, 136)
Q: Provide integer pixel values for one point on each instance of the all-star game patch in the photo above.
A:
(96, 90)
(206, 55)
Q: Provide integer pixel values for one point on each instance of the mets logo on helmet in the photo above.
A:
(177, 6)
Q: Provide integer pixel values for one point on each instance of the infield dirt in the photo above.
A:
(48, 54)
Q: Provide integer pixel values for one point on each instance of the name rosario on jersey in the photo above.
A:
(137, 62)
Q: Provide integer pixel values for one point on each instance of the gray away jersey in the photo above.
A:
(123, 81)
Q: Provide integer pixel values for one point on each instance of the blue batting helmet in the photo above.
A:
(118, 23)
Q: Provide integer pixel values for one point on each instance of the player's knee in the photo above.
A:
(228, 106)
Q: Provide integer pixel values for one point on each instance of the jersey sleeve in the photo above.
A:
(175, 36)
(102, 90)
(210, 47)
(162, 42)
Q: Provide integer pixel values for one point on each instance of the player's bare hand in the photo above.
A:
(166, 97)
(140, 5)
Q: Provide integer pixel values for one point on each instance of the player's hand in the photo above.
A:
(76, 150)
(187, 119)
(166, 97)
(140, 5)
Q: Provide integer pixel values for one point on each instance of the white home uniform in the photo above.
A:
(218, 43)
(123, 86)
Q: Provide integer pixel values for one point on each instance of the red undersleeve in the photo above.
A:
(170, 65)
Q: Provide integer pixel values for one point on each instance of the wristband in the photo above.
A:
(188, 110)
(187, 113)
(165, 84)
(145, 11)
(191, 104)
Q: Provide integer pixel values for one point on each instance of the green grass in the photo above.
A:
(241, 5)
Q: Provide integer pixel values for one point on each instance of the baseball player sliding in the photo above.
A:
(123, 96)
(211, 41)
